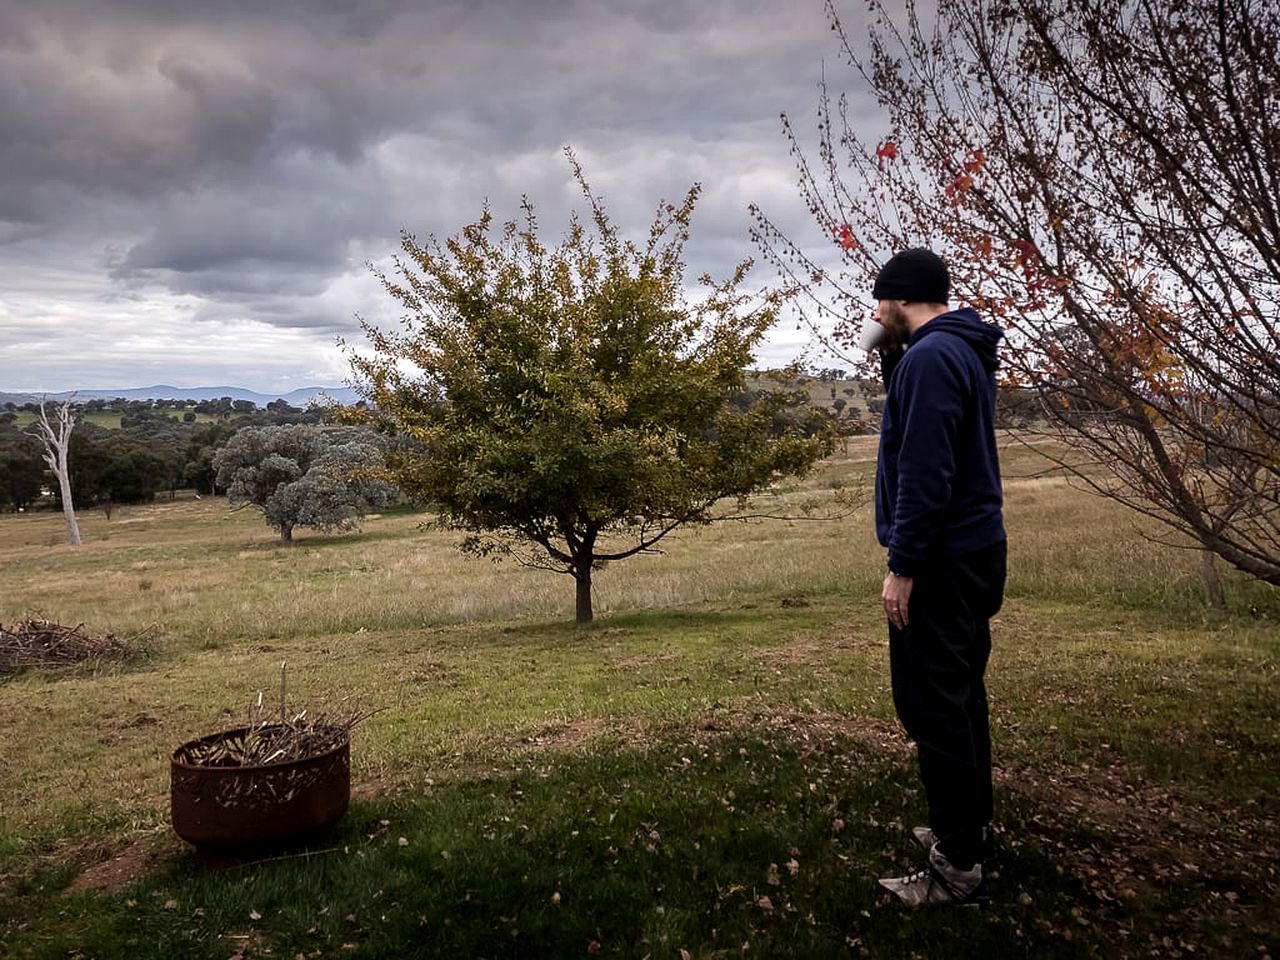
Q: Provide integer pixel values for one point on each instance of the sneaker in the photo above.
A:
(926, 838)
(940, 882)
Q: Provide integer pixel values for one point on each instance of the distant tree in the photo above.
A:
(135, 471)
(304, 476)
(21, 468)
(114, 464)
(220, 407)
(570, 405)
(56, 439)
(791, 412)
(197, 460)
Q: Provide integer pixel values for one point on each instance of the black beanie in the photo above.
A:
(918, 275)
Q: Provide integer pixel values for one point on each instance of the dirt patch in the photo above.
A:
(431, 673)
(112, 867)
(366, 789)
(566, 736)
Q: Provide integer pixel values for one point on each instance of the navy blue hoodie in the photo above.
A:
(938, 474)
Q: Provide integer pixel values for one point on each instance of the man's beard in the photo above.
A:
(894, 320)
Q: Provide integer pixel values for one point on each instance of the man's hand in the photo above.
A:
(896, 595)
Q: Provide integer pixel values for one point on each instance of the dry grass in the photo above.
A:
(469, 656)
(202, 575)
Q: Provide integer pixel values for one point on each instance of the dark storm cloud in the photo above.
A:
(252, 155)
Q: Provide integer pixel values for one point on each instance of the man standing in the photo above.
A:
(939, 513)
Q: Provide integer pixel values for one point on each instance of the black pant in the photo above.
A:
(937, 666)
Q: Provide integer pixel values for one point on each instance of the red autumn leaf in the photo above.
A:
(975, 160)
(886, 151)
(844, 237)
(959, 186)
(1026, 253)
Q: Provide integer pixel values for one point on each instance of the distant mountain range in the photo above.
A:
(298, 398)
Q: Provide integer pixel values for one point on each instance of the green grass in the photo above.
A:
(732, 699)
(107, 418)
(709, 845)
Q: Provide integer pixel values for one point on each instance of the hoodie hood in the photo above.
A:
(966, 324)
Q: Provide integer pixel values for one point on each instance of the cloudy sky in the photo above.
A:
(190, 191)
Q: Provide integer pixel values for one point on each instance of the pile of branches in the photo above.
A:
(297, 738)
(37, 643)
(277, 738)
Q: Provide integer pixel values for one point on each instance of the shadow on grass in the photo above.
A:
(761, 842)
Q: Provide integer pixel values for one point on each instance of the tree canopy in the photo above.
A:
(1103, 177)
(22, 467)
(304, 476)
(569, 404)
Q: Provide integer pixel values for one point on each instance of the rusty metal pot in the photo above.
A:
(237, 807)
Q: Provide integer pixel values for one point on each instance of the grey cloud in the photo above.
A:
(150, 99)
(137, 129)
(252, 155)
(280, 312)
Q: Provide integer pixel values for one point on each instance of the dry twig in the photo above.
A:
(268, 741)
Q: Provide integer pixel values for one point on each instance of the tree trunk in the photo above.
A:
(56, 444)
(1213, 580)
(68, 508)
(582, 577)
(286, 533)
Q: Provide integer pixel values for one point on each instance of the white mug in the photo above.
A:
(874, 335)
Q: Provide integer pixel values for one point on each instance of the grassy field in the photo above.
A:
(712, 769)
(106, 418)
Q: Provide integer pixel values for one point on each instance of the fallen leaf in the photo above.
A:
(171, 904)
(771, 875)
(403, 841)
(793, 866)
(254, 915)
(765, 904)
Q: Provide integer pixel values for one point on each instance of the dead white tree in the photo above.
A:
(56, 441)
